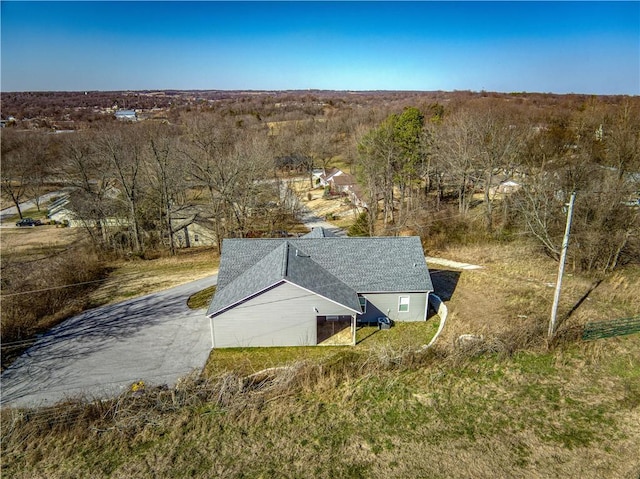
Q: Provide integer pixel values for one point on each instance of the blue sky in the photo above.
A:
(560, 47)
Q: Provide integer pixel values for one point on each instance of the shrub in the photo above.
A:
(37, 296)
(361, 226)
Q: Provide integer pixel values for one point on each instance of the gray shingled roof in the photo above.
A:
(337, 267)
(265, 273)
(285, 263)
(305, 272)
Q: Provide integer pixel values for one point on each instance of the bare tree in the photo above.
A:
(232, 164)
(455, 152)
(122, 149)
(166, 175)
(22, 166)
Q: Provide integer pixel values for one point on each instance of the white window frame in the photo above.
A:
(363, 306)
(403, 301)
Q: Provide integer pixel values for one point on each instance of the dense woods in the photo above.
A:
(461, 166)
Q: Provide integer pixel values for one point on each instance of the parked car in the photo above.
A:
(28, 222)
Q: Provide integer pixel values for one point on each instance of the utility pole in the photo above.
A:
(563, 257)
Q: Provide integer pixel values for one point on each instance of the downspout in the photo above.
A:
(426, 306)
(213, 343)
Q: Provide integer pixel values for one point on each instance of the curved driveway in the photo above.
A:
(99, 353)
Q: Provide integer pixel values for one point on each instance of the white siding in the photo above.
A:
(386, 304)
(282, 316)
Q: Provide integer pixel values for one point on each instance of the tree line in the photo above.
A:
(416, 164)
(429, 164)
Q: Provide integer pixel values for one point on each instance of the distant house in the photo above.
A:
(505, 187)
(315, 289)
(324, 179)
(61, 212)
(341, 183)
(126, 115)
(192, 226)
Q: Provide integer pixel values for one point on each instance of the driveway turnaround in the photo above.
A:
(98, 354)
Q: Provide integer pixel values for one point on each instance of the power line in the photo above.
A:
(54, 288)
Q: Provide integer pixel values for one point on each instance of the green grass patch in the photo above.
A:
(246, 361)
(201, 299)
(369, 339)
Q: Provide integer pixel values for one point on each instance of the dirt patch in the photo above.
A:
(335, 208)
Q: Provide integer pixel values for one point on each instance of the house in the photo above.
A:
(315, 289)
(126, 115)
(61, 211)
(346, 185)
(192, 232)
(341, 183)
(325, 178)
(193, 226)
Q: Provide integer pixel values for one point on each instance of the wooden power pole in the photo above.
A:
(563, 257)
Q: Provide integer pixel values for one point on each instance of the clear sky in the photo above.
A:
(560, 47)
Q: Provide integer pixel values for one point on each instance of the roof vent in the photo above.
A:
(300, 255)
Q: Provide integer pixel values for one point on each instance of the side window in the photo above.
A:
(363, 304)
(403, 304)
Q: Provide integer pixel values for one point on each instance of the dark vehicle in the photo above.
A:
(28, 222)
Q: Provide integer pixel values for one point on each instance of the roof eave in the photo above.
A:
(246, 298)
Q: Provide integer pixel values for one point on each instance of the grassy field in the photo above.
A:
(131, 278)
(509, 405)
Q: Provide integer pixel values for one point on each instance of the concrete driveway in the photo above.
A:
(99, 353)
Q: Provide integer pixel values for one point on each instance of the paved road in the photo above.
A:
(310, 220)
(30, 204)
(99, 353)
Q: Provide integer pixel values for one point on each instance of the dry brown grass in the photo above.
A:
(505, 407)
(136, 277)
(323, 207)
(511, 296)
(375, 414)
(32, 243)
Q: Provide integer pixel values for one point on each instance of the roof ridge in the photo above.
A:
(285, 263)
